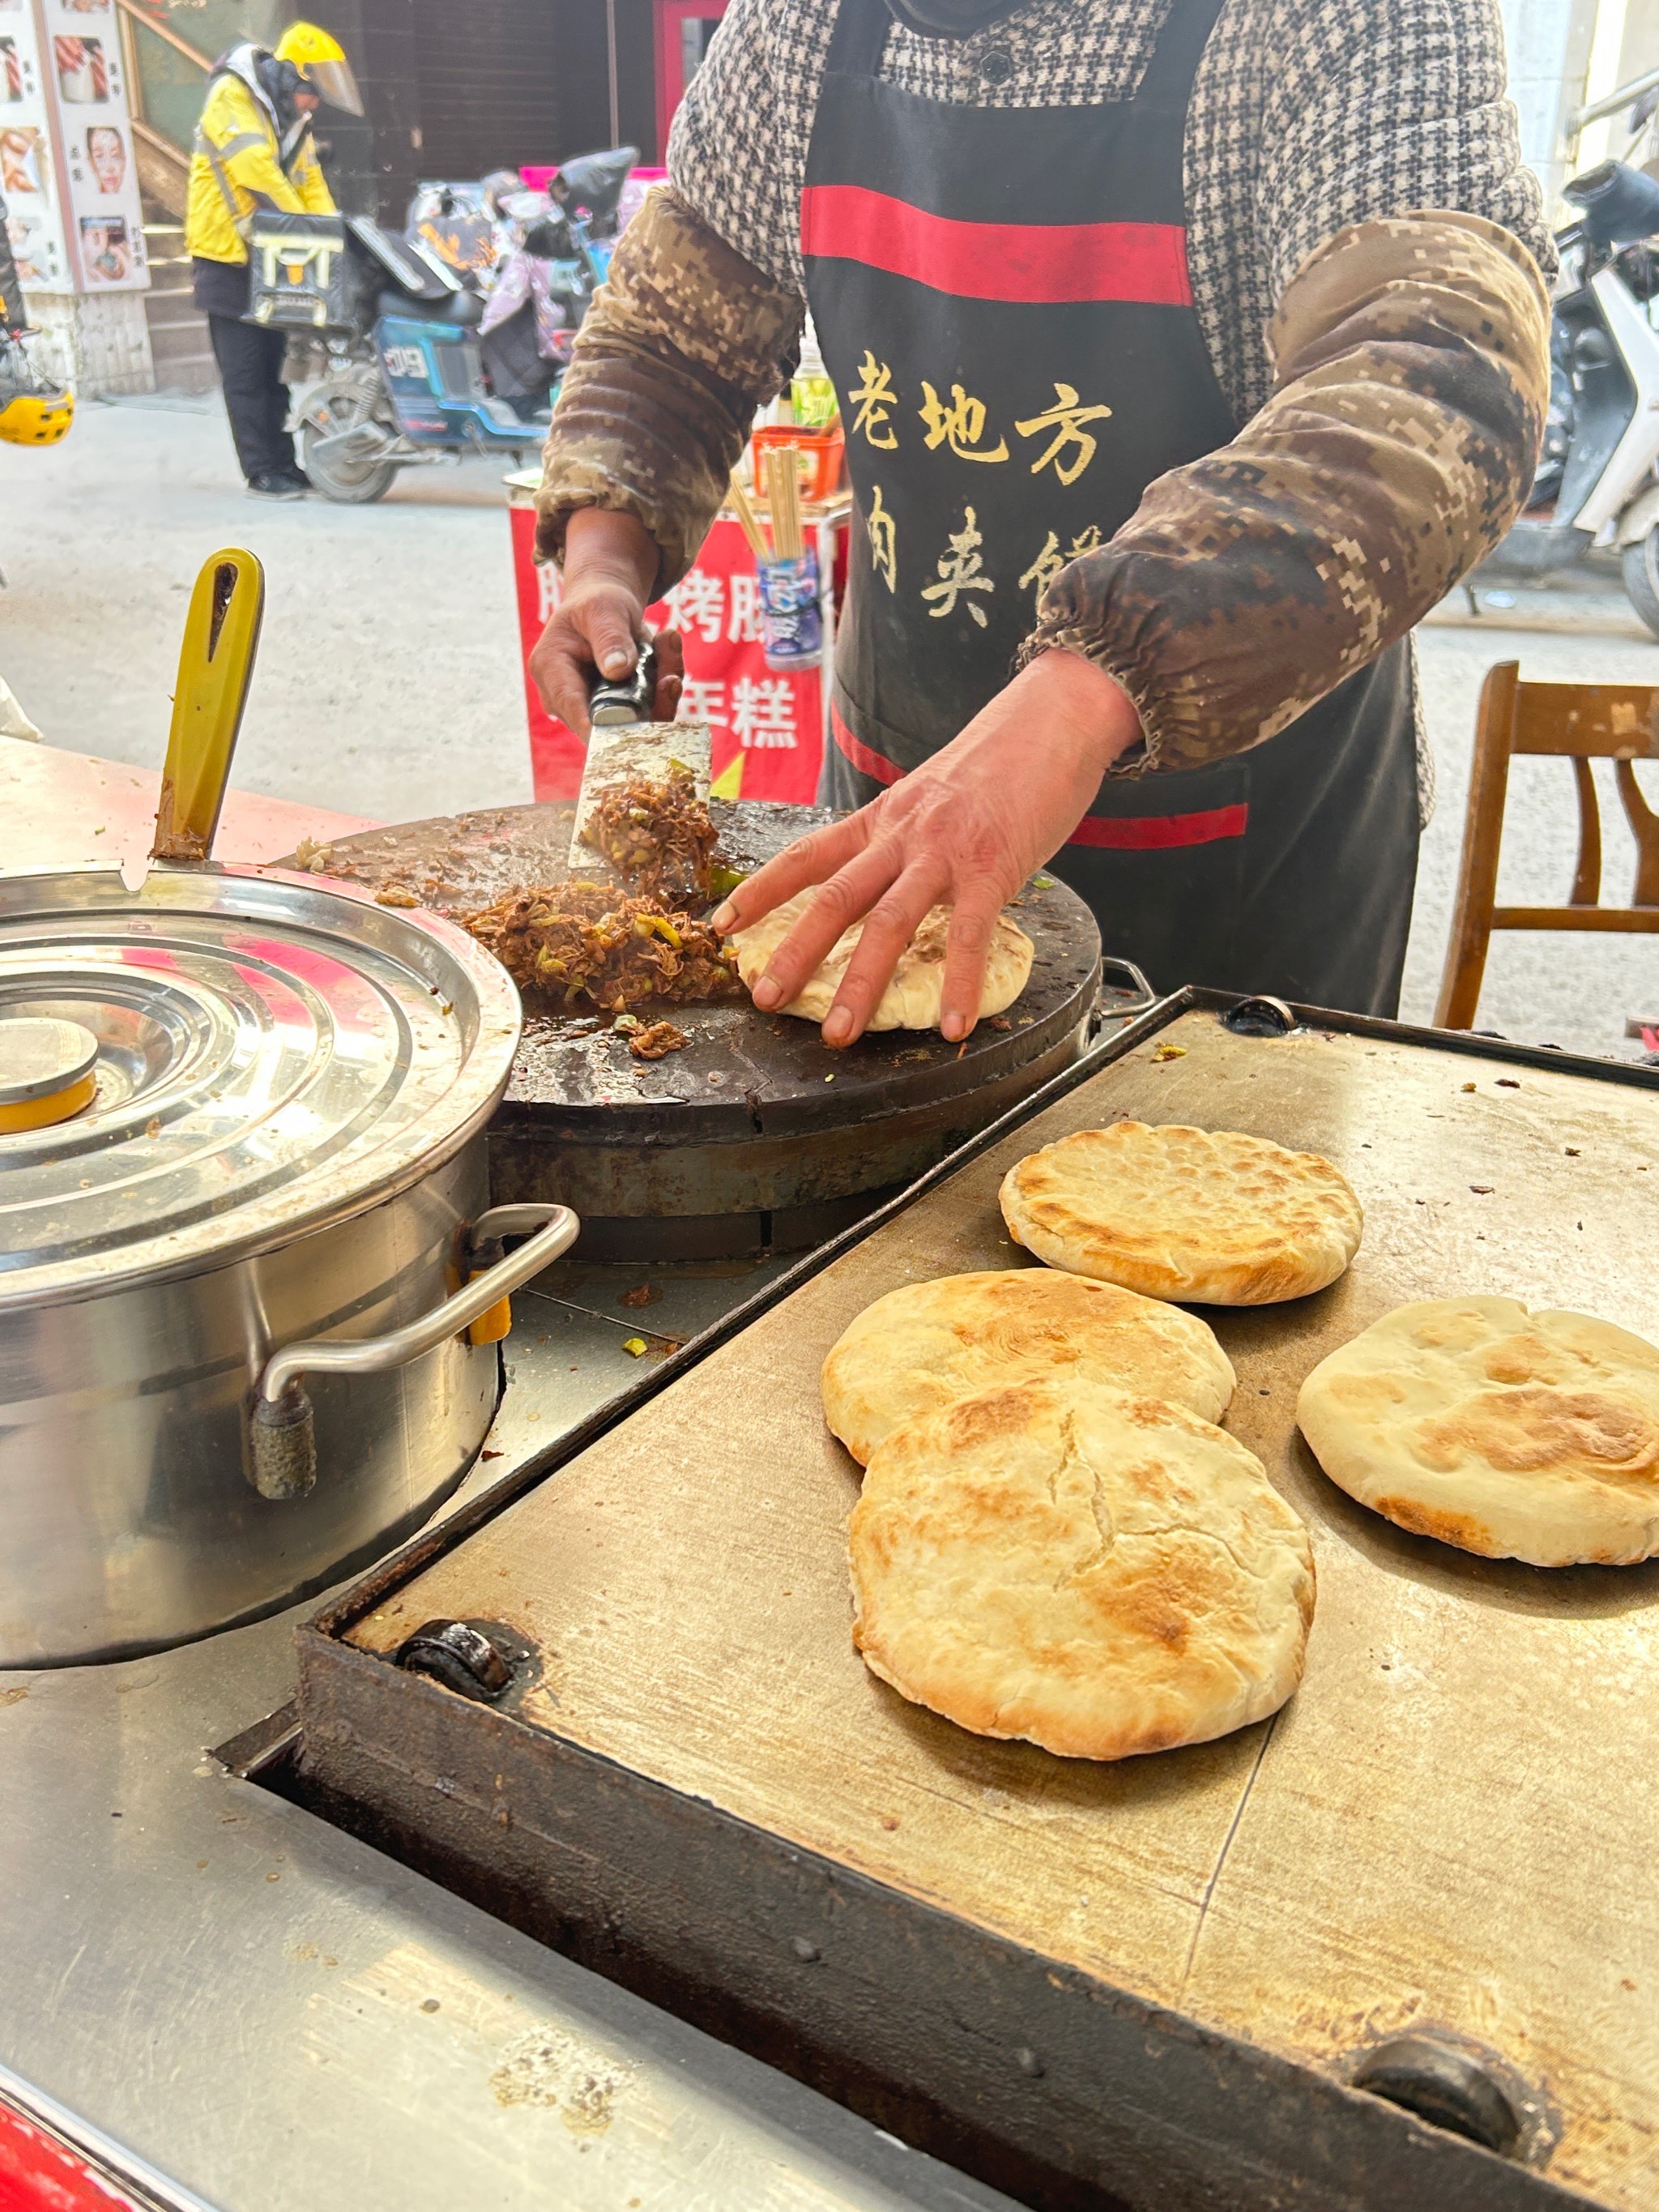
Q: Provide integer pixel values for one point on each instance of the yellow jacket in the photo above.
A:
(237, 165)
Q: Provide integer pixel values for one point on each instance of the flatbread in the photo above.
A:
(920, 1347)
(1199, 1214)
(913, 999)
(1099, 1574)
(1518, 1435)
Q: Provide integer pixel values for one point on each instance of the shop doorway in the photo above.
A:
(684, 30)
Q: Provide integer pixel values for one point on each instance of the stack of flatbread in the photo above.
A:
(1055, 1540)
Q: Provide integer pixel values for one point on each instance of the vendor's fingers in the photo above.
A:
(967, 947)
(810, 860)
(671, 674)
(606, 620)
(889, 925)
(563, 673)
(834, 907)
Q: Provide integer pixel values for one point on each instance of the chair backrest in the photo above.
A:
(1580, 722)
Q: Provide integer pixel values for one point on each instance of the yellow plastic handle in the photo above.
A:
(45, 1113)
(494, 1322)
(215, 667)
(492, 1326)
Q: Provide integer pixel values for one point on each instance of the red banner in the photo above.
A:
(767, 729)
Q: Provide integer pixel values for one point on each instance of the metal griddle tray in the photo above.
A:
(1149, 1985)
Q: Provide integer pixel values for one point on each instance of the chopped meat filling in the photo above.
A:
(587, 941)
(657, 835)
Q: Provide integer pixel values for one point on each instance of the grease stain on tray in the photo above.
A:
(544, 2066)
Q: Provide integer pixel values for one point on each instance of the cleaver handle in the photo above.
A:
(629, 700)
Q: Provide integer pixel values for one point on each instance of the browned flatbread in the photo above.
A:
(919, 1347)
(1518, 1435)
(1100, 1574)
(1200, 1214)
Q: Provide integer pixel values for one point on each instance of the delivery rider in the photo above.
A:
(1187, 352)
(254, 149)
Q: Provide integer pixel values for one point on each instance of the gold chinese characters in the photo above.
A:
(961, 423)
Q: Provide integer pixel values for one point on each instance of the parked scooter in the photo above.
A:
(406, 380)
(1597, 484)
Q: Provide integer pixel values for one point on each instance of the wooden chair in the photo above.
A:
(1582, 722)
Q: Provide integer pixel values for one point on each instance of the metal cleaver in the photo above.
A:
(625, 747)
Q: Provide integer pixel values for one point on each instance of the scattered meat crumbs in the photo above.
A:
(661, 1037)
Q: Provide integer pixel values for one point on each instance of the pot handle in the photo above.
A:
(282, 1442)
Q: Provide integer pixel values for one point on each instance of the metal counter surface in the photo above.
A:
(233, 2003)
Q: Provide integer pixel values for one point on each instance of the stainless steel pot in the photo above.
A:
(285, 1143)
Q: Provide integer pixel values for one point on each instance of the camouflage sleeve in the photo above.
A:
(682, 344)
(1412, 364)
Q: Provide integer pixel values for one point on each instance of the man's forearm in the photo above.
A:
(1397, 448)
(677, 351)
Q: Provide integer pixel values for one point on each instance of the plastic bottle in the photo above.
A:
(816, 406)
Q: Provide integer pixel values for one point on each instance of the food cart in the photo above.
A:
(467, 1791)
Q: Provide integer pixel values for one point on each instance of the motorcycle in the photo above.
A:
(406, 376)
(1597, 482)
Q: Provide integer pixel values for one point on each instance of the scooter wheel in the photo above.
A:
(1641, 572)
(359, 486)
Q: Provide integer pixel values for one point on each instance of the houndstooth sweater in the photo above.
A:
(1363, 245)
(1306, 115)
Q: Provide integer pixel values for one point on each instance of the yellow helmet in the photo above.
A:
(321, 62)
(36, 418)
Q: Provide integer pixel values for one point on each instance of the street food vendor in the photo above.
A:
(1188, 351)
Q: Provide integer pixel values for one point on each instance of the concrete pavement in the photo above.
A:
(388, 683)
(388, 679)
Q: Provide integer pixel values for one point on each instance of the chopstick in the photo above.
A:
(784, 485)
(748, 521)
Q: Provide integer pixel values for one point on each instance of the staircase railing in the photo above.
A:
(132, 13)
(163, 165)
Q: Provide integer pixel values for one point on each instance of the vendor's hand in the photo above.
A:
(964, 830)
(610, 565)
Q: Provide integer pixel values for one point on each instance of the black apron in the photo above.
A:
(1002, 299)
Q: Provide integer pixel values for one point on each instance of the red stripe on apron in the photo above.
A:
(1144, 833)
(1032, 262)
(877, 766)
(1128, 833)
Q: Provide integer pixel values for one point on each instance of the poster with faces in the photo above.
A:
(102, 210)
(28, 183)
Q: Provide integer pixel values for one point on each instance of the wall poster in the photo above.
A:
(28, 184)
(67, 169)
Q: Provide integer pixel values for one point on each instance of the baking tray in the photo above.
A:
(1149, 1985)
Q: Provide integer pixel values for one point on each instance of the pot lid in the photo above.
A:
(269, 1055)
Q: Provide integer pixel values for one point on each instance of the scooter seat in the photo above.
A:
(461, 311)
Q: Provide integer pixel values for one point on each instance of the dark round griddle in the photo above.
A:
(756, 1135)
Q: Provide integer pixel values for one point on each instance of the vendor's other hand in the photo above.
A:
(610, 573)
(964, 830)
